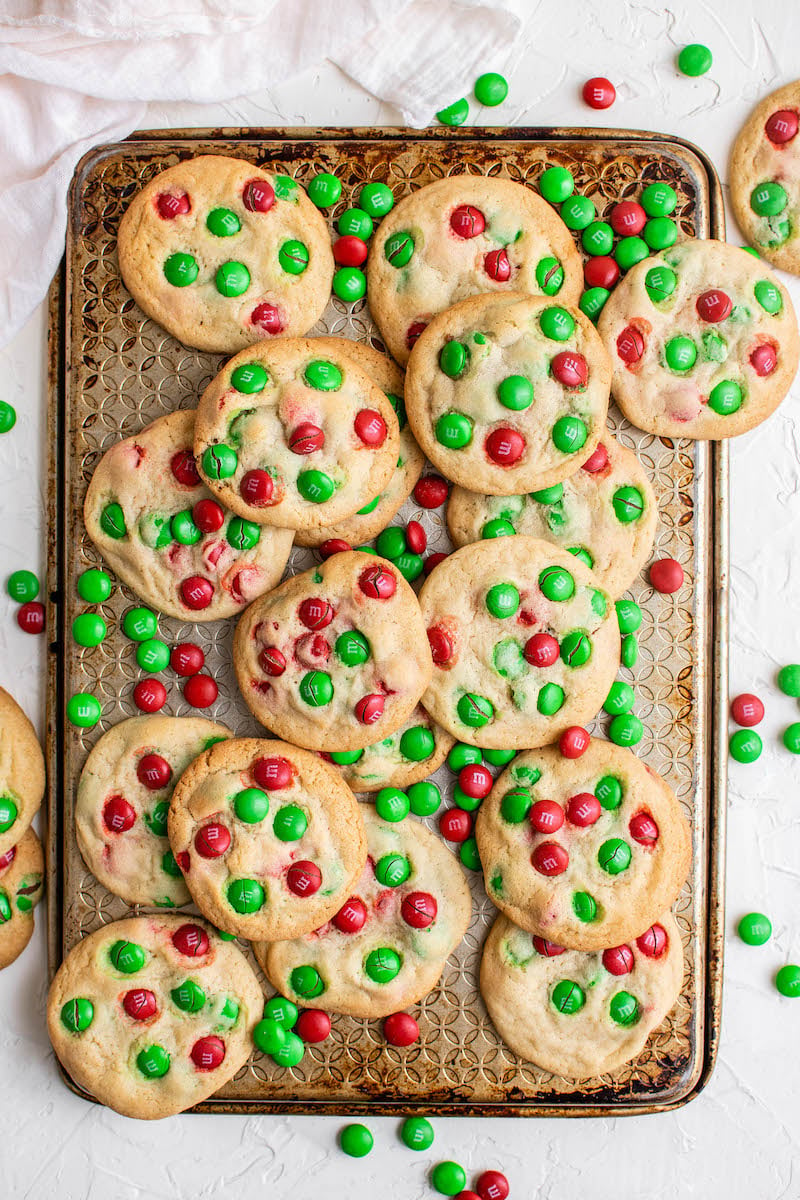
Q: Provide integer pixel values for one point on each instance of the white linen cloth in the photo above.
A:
(77, 73)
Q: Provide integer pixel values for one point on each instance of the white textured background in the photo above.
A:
(741, 1137)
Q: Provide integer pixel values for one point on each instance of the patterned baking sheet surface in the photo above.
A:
(113, 371)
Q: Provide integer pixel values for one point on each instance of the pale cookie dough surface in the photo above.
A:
(637, 330)
(266, 401)
(480, 671)
(618, 873)
(767, 151)
(501, 341)
(340, 959)
(106, 1023)
(121, 820)
(21, 772)
(406, 756)
(21, 871)
(290, 659)
(519, 983)
(608, 514)
(361, 527)
(274, 300)
(516, 235)
(135, 503)
(237, 850)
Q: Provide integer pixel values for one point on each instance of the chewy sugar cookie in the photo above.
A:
(387, 945)
(123, 802)
(765, 178)
(703, 341)
(163, 533)
(411, 753)
(605, 514)
(585, 852)
(270, 839)
(293, 435)
(574, 1014)
(222, 253)
(524, 641)
(378, 512)
(21, 772)
(335, 658)
(460, 237)
(153, 1014)
(508, 394)
(21, 871)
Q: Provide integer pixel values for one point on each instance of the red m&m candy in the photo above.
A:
(497, 266)
(304, 878)
(208, 516)
(475, 781)
(781, 127)
(273, 774)
(174, 204)
(441, 645)
(306, 439)
(316, 613)
(630, 345)
(370, 427)
(30, 617)
(208, 1053)
(267, 317)
(378, 583)
(467, 221)
(541, 650)
(413, 332)
(601, 271)
(256, 487)
(653, 943)
(197, 592)
(351, 916)
(583, 810)
(187, 659)
(713, 305)
(747, 710)
(547, 949)
(596, 462)
(419, 909)
(212, 840)
(546, 816)
(570, 368)
(190, 940)
(350, 251)
(764, 359)
(433, 560)
(200, 691)
(666, 575)
(643, 828)
(258, 195)
(416, 538)
(549, 858)
(313, 1025)
(153, 771)
(599, 92)
(505, 446)
(333, 546)
(627, 218)
(618, 960)
(574, 742)
(455, 825)
(183, 468)
(400, 1029)
(492, 1185)
(272, 661)
(149, 695)
(118, 814)
(369, 709)
(139, 1004)
(430, 491)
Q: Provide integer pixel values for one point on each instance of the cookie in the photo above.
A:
(411, 753)
(574, 1014)
(376, 515)
(585, 852)
(703, 340)
(765, 178)
(386, 947)
(21, 870)
(291, 435)
(508, 394)
(21, 772)
(223, 254)
(153, 1014)
(270, 839)
(525, 643)
(605, 514)
(123, 802)
(167, 538)
(335, 658)
(460, 237)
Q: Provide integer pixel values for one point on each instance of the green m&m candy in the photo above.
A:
(184, 530)
(291, 1052)
(550, 699)
(569, 434)
(376, 199)
(241, 534)
(289, 823)
(398, 248)
(83, 710)
(629, 651)
(223, 222)
(787, 981)
(474, 710)
(77, 1015)
(658, 199)
(609, 792)
(181, 269)
(424, 798)
(619, 699)
(94, 586)
(410, 566)
(515, 392)
(491, 89)
(629, 615)
(556, 184)
(127, 957)
(502, 600)
(354, 222)
(362, 512)
(550, 495)
(355, 1140)
(768, 296)
(789, 680)
(582, 553)
(584, 906)
(660, 282)
(630, 251)
(454, 430)
(768, 199)
(232, 279)
(391, 542)
(791, 738)
(249, 378)
(614, 856)
(382, 965)
(251, 805)
(454, 114)
(285, 188)
(349, 284)
(567, 997)
(624, 1009)
(628, 503)
(499, 758)
(597, 238)
(220, 461)
(556, 323)
(576, 648)
(156, 821)
(22, 586)
(323, 376)
(392, 869)
(346, 758)
(745, 745)
(112, 521)
(153, 1062)
(391, 804)
(453, 358)
(324, 190)
(293, 257)
(695, 59)
(284, 1011)
(417, 743)
(416, 1133)
(577, 212)
(352, 648)
(245, 895)
(8, 416)
(556, 583)
(725, 398)
(269, 1036)
(448, 1178)
(755, 929)
(592, 302)
(139, 624)
(188, 996)
(315, 486)
(153, 655)
(680, 353)
(660, 233)
(626, 730)
(463, 755)
(515, 805)
(89, 629)
(549, 275)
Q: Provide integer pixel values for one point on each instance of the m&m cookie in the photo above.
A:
(765, 178)
(378, 512)
(585, 851)
(153, 1014)
(387, 945)
(508, 394)
(269, 838)
(335, 658)
(575, 1014)
(21, 870)
(123, 802)
(461, 237)
(292, 435)
(163, 533)
(703, 341)
(223, 254)
(605, 515)
(21, 772)
(410, 754)
(524, 642)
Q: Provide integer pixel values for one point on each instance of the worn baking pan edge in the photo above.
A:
(716, 495)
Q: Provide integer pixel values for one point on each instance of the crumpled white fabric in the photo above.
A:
(77, 73)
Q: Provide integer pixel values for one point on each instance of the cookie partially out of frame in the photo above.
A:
(269, 837)
(459, 237)
(21, 871)
(703, 341)
(387, 946)
(165, 536)
(153, 1014)
(574, 1014)
(21, 772)
(222, 253)
(605, 514)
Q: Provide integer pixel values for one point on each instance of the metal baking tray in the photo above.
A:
(113, 371)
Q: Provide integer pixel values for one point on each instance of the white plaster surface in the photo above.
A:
(741, 1137)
